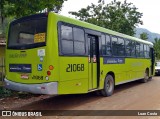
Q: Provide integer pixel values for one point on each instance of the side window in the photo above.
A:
(141, 50)
(130, 48)
(108, 45)
(137, 49)
(66, 39)
(127, 43)
(66, 32)
(72, 40)
(146, 51)
(103, 45)
(79, 41)
(114, 46)
(133, 49)
(121, 48)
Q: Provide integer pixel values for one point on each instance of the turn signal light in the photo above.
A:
(51, 67)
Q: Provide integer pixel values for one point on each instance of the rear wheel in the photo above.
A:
(108, 86)
(150, 78)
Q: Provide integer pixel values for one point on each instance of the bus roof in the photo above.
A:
(98, 28)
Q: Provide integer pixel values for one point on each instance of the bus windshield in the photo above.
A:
(27, 34)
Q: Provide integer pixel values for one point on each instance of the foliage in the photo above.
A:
(151, 36)
(157, 47)
(10, 9)
(118, 16)
(19, 8)
(144, 36)
(28, 7)
(8, 93)
(4, 92)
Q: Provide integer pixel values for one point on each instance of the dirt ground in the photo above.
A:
(130, 96)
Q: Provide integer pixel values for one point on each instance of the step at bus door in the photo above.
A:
(93, 61)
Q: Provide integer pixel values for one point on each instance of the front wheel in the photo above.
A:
(108, 86)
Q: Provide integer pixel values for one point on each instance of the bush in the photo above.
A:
(4, 92)
(7, 93)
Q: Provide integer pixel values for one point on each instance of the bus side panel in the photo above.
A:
(73, 75)
(118, 70)
(132, 69)
(138, 67)
(52, 48)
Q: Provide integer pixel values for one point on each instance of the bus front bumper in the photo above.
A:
(44, 88)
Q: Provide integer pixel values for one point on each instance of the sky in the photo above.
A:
(149, 8)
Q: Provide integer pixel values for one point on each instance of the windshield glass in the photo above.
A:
(27, 34)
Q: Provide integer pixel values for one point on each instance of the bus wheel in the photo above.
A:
(108, 86)
(146, 76)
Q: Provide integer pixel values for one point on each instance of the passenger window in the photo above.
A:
(66, 32)
(79, 42)
(108, 40)
(121, 50)
(78, 34)
(141, 50)
(79, 48)
(130, 48)
(137, 49)
(103, 45)
(108, 45)
(114, 46)
(67, 47)
(72, 41)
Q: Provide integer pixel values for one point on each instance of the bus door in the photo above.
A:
(93, 60)
(152, 60)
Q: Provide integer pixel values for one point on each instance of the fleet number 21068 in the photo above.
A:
(75, 67)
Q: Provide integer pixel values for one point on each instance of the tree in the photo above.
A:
(10, 9)
(157, 47)
(19, 8)
(118, 16)
(144, 36)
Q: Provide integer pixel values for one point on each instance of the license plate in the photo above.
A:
(24, 76)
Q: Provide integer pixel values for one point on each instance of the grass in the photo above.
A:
(9, 93)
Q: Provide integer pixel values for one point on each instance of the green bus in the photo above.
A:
(54, 54)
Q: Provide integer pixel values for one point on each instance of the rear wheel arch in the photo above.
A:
(109, 84)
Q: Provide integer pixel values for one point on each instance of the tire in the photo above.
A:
(146, 77)
(108, 86)
(150, 78)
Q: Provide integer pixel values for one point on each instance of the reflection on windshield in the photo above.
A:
(27, 33)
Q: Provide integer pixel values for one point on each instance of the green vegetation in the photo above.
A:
(117, 16)
(4, 92)
(151, 36)
(144, 36)
(12, 9)
(157, 48)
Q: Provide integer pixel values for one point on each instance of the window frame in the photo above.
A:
(118, 47)
(60, 50)
(104, 34)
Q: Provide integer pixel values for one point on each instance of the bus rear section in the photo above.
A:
(26, 56)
